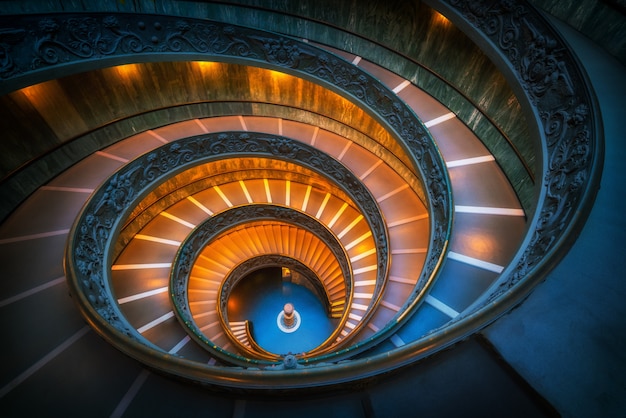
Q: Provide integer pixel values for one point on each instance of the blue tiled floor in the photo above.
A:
(260, 298)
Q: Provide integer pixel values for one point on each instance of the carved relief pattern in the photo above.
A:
(257, 263)
(195, 243)
(552, 81)
(117, 196)
(50, 41)
(543, 66)
(9, 37)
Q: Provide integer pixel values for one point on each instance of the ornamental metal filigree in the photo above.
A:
(209, 230)
(50, 41)
(552, 80)
(117, 196)
(271, 260)
(545, 69)
(212, 229)
(64, 39)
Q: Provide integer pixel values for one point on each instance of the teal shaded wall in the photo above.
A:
(602, 21)
(410, 40)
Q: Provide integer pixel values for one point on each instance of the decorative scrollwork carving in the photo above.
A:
(8, 37)
(51, 41)
(63, 39)
(544, 68)
(553, 82)
(118, 194)
(224, 221)
(280, 51)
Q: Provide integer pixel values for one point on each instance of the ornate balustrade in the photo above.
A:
(551, 87)
(210, 230)
(96, 229)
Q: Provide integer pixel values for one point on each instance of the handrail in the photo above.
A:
(259, 262)
(88, 260)
(210, 230)
(407, 58)
(255, 346)
(255, 350)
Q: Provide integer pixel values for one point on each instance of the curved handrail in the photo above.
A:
(95, 228)
(255, 346)
(211, 229)
(259, 262)
(217, 173)
(574, 150)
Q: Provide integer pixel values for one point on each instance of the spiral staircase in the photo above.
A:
(415, 213)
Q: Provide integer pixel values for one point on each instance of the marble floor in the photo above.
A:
(260, 298)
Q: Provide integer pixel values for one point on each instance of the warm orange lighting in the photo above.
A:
(277, 75)
(482, 244)
(441, 19)
(206, 67)
(33, 92)
(364, 247)
(233, 305)
(128, 71)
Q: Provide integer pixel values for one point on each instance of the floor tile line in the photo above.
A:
(350, 226)
(484, 210)
(401, 280)
(177, 219)
(180, 345)
(344, 150)
(470, 161)
(370, 170)
(155, 322)
(42, 362)
(112, 156)
(337, 215)
(358, 240)
(140, 266)
(439, 120)
(157, 136)
(441, 307)
(142, 295)
(314, 135)
(32, 291)
(397, 89)
(373, 327)
(390, 305)
(245, 191)
(201, 125)
(157, 240)
(407, 220)
(485, 265)
(409, 251)
(200, 205)
(130, 394)
(396, 340)
(392, 193)
(243, 123)
(34, 236)
(67, 189)
(363, 254)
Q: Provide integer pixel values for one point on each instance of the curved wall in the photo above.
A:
(422, 47)
(565, 131)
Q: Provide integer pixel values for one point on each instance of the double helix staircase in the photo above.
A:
(378, 306)
(488, 226)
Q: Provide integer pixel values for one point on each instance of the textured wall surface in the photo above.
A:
(408, 38)
(604, 21)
